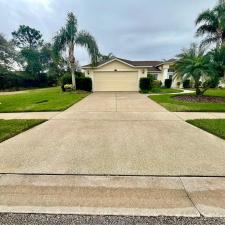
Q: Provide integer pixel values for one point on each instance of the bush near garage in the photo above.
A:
(145, 84)
(84, 83)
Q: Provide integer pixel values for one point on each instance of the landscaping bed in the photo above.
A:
(10, 128)
(203, 99)
(179, 103)
(213, 126)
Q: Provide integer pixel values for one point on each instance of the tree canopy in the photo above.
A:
(7, 52)
(211, 25)
(27, 37)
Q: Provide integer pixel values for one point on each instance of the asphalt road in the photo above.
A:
(45, 219)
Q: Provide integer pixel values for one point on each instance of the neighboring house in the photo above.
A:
(123, 75)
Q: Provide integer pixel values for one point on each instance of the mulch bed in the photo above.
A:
(201, 99)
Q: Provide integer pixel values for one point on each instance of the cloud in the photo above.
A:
(133, 29)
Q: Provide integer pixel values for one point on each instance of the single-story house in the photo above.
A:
(123, 75)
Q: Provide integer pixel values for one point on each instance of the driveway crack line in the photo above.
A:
(189, 197)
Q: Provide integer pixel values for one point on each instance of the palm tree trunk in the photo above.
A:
(73, 79)
(197, 87)
(72, 64)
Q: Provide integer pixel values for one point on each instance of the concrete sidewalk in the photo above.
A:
(100, 195)
(110, 115)
(28, 115)
(200, 115)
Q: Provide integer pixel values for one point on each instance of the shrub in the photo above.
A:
(157, 83)
(151, 80)
(52, 80)
(186, 84)
(17, 80)
(144, 84)
(79, 74)
(215, 82)
(168, 83)
(66, 79)
(9, 80)
(68, 87)
(84, 83)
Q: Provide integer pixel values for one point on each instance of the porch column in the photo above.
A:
(165, 72)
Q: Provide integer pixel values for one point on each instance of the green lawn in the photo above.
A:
(213, 126)
(10, 128)
(181, 106)
(46, 99)
(164, 90)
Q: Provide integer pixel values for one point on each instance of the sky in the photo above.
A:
(131, 29)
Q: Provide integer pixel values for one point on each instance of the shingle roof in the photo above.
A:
(133, 63)
(141, 63)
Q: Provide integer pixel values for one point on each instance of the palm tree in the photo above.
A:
(212, 25)
(103, 58)
(69, 37)
(217, 60)
(195, 64)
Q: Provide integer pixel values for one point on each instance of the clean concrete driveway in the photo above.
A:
(117, 134)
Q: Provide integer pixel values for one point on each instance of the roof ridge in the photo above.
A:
(135, 63)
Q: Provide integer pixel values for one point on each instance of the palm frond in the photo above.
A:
(207, 16)
(206, 29)
(71, 27)
(192, 63)
(208, 41)
(60, 41)
(87, 40)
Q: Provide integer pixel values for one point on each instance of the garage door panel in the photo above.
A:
(116, 81)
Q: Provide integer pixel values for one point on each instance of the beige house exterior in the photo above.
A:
(123, 75)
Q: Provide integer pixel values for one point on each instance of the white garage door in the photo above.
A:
(115, 81)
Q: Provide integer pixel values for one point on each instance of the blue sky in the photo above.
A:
(132, 29)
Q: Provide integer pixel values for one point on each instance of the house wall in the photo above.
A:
(142, 71)
(165, 75)
(115, 66)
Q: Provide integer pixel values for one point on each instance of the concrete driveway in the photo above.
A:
(117, 134)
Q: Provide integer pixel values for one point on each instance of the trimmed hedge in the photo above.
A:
(145, 84)
(16, 80)
(168, 83)
(84, 83)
